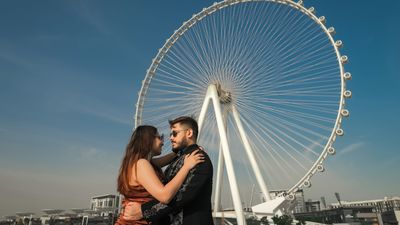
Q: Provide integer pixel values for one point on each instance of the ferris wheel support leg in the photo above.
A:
(220, 166)
(218, 186)
(237, 203)
(203, 113)
(250, 155)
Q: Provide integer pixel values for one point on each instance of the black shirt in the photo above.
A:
(192, 203)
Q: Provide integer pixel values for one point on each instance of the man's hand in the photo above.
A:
(132, 211)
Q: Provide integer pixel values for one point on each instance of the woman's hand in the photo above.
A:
(192, 159)
(132, 211)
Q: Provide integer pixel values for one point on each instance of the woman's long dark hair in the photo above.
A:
(139, 147)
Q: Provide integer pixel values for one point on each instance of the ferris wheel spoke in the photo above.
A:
(277, 158)
(282, 158)
(283, 108)
(272, 135)
(286, 117)
(279, 119)
(289, 128)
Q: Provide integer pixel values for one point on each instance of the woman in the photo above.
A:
(140, 176)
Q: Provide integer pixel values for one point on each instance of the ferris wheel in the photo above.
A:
(266, 81)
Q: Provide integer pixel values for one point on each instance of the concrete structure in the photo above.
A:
(299, 195)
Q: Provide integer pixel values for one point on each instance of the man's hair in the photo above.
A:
(187, 121)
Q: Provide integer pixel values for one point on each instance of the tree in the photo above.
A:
(252, 220)
(282, 220)
(264, 220)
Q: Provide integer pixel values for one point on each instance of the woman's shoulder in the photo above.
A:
(145, 168)
(143, 162)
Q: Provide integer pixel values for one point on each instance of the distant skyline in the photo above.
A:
(71, 70)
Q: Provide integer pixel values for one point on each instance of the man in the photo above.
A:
(192, 203)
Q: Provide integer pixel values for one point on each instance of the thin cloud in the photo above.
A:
(89, 15)
(90, 153)
(93, 155)
(104, 111)
(78, 101)
(87, 152)
(351, 148)
(93, 17)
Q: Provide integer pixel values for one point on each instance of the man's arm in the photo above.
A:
(193, 184)
(163, 160)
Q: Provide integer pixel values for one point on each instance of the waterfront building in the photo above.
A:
(51, 215)
(26, 217)
(105, 204)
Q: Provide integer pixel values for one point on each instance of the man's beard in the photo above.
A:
(182, 145)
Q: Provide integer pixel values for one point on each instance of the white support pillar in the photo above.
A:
(237, 203)
(250, 155)
(203, 113)
(220, 173)
(218, 186)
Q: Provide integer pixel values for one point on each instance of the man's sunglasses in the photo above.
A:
(174, 133)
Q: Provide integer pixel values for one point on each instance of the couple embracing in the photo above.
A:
(181, 195)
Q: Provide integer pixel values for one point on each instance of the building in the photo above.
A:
(105, 204)
(387, 209)
(299, 204)
(381, 205)
(351, 215)
(369, 212)
(312, 206)
(52, 216)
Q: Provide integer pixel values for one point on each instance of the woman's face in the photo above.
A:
(157, 144)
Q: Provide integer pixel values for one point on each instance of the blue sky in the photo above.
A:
(70, 72)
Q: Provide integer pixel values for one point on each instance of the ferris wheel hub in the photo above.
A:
(225, 97)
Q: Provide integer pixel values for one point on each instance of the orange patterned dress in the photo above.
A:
(137, 194)
(141, 195)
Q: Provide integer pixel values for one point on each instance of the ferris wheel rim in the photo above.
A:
(157, 60)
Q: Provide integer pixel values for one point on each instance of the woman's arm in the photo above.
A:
(146, 176)
(163, 160)
(166, 159)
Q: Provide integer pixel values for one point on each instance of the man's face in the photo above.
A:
(178, 136)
